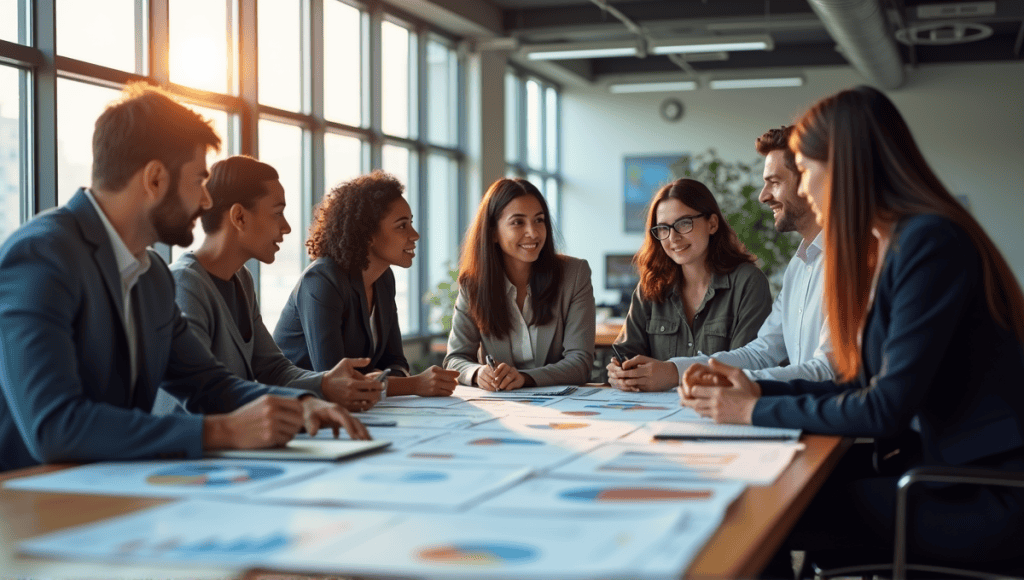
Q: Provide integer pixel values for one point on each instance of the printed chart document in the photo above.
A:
(709, 431)
(203, 477)
(572, 426)
(400, 438)
(306, 449)
(477, 449)
(670, 397)
(630, 411)
(399, 486)
(371, 543)
(208, 532)
(470, 546)
(758, 464)
(545, 496)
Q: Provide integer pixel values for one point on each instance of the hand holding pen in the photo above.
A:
(497, 376)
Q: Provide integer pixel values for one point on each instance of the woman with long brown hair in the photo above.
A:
(927, 325)
(525, 314)
(699, 289)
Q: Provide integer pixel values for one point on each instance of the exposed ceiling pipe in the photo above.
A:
(860, 30)
(642, 36)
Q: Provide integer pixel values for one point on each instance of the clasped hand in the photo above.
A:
(642, 373)
(350, 388)
(503, 377)
(720, 392)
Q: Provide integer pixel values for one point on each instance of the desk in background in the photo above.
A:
(753, 529)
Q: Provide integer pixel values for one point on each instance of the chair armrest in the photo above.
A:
(939, 474)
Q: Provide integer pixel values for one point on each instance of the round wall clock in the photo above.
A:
(672, 110)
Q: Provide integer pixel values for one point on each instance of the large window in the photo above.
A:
(11, 151)
(323, 90)
(532, 135)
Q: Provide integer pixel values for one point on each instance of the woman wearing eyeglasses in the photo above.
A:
(699, 290)
(525, 314)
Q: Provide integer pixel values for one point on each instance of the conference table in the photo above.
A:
(752, 530)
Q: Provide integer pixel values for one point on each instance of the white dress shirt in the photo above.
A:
(130, 268)
(796, 329)
(523, 335)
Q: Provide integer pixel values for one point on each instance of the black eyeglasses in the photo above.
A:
(683, 225)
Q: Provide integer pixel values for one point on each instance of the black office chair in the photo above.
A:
(899, 567)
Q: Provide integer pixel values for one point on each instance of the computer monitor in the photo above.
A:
(621, 275)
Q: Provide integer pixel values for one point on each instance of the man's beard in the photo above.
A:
(171, 221)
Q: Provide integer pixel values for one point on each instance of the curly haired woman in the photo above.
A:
(344, 304)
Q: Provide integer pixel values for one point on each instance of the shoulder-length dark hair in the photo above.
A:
(347, 218)
(658, 273)
(482, 270)
(877, 172)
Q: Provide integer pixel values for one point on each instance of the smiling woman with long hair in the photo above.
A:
(699, 289)
(927, 325)
(527, 307)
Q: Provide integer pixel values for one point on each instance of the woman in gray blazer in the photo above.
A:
(525, 314)
(215, 291)
(344, 304)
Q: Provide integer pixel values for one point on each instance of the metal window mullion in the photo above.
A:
(248, 91)
(374, 80)
(141, 39)
(313, 65)
(422, 90)
(159, 41)
(43, 176)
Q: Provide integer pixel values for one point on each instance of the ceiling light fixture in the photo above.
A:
(652, 87)
(756, 83)
(713, 44)
(577, 50)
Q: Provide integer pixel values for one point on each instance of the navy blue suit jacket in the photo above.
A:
(931, 351)
(64, 362)
(326, 319)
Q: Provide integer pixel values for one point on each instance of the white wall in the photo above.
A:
(968, 120)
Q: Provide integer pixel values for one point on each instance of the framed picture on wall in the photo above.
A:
(645, 175)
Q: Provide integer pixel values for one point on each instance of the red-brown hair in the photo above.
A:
(658, 273)
(878, 173)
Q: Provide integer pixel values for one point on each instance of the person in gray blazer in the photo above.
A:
(88, 325)
(215, 290)
(525, 314)
(344, 304)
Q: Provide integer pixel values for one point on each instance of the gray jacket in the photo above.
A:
(565, 346)
(211, 321)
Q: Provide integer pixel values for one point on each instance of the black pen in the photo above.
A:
(682, 437)
(491, 363)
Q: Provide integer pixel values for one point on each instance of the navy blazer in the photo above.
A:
(931, 352)
(64, 362)
(327, 319)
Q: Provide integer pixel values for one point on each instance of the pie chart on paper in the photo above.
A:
(481, 554)
(212, 475)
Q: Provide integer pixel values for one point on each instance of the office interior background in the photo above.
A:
(449, 95)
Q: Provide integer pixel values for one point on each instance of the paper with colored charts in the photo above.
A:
(545, 495)
(558, 426)
(669, 397)
(487, 547)
(430, 419)
(472, 415)
(203, 477)
(759, 463)
(613, 410)
(409, 401)
(506, 407)
(478, 448)
(400, 438)
(215, 532)
(399, 486)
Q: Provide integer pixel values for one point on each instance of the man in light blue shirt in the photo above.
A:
(796, 330)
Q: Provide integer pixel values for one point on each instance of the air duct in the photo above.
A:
(860, 30)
